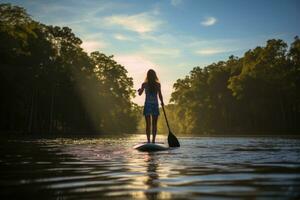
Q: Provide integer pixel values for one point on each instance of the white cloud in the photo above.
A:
(122, 37)
(176, 2)
(215, 43)
(209, 21)
(141, 23)
(211, 51)
(93, 45)
(80, 12)
(216, 46)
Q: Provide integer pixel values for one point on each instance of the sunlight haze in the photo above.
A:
(172, 36)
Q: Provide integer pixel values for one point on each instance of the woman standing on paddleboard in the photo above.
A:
(152, 90)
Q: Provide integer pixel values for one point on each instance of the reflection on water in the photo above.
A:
(209, 168)
(152, 179)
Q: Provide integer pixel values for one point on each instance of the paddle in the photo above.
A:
(172, 140)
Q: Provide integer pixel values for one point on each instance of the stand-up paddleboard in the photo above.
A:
(151, 147)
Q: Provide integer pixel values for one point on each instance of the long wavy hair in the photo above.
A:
(152, 81)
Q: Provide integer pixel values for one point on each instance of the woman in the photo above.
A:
(152, 90)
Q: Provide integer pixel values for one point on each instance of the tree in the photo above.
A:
(50, 84)
(255, 93)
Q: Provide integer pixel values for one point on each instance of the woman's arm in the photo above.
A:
(141, 90)
(160, 95)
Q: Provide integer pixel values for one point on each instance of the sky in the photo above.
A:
(170, 36)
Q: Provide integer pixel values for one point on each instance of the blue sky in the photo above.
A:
(170, 36)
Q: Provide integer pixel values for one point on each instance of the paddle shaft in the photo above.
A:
(163, 107)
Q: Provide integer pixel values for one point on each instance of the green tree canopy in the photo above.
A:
(49, 83)
(258, 92)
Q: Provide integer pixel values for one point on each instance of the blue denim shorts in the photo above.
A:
(151, 109)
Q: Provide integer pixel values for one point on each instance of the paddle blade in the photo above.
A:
(172, 140)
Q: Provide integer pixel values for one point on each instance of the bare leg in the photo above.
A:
(154, 127)
(148, 125)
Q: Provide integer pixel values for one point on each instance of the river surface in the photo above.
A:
(109, 168)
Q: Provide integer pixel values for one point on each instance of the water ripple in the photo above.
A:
(107, 167)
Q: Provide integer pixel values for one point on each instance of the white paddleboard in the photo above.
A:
(151, 147)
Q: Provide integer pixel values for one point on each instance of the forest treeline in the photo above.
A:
(49, 84)
(258, 93)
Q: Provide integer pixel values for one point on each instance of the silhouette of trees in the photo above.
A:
(49, 84)
(258, 92)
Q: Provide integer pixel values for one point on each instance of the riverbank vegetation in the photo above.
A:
(49, 84)
(256, 93)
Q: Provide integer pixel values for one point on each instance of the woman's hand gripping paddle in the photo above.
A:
(172, 140)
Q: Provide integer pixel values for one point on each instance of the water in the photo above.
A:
(108, 168)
